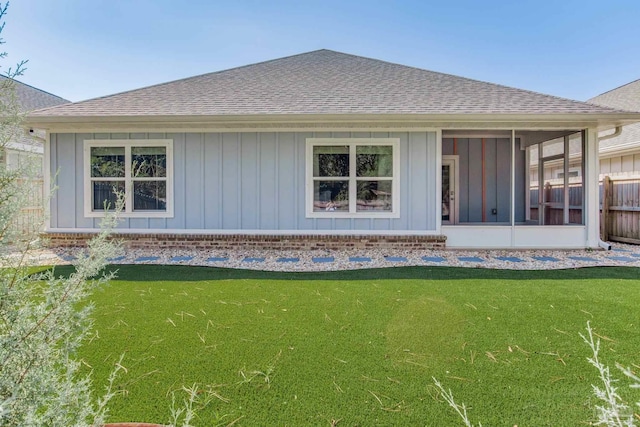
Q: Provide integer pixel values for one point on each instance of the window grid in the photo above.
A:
(353, 180)
(129, 180)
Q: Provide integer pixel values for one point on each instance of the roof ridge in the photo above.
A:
(323, 81)
(470, 79)
(188, 78)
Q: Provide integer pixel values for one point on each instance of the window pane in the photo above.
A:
(150, 196)
(149, 161)
(330, 160)
(331, 196)
(374, 161)
(107, 162)
(374, 196)
(105, 192)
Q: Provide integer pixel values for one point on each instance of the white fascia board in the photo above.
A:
(620, 149)
(276, 122)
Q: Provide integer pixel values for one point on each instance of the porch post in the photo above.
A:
(591, 202)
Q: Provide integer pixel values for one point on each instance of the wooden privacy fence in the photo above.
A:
(553, 205)
(620, 209)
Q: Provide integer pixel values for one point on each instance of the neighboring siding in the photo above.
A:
(247, 181)
(620, 165)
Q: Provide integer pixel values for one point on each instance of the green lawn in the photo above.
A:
(361, 347)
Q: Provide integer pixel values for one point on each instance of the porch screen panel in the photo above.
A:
(553, 194)
(556, 171)
(576, 179)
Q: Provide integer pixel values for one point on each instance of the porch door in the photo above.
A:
(449, 189)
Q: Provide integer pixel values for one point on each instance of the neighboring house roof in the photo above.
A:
(322, 82)
(31, 98)
(625, 97)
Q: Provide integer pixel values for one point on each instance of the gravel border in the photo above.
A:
(620, 255)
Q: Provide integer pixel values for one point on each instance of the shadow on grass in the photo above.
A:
(182, 273)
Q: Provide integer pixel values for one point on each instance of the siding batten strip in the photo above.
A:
(239, 180)
(219, 183)
(484, 184)
(203, 184)
(512, 214)
(295, 181)
(184, 178)
(277, 182)
(409, 180)
(258, 174)
(565, 167)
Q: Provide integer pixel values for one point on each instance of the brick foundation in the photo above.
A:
(258, 242)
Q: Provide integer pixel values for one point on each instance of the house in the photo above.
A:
(28, 98)
(323, 150)
(19, 150)
(619, 150)
(620, 155)
(620, 169)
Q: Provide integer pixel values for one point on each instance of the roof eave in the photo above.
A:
(295, 121)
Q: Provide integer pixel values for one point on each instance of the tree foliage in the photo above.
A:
(43, 318)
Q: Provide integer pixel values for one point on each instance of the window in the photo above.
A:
(141, 169)
(352, 177)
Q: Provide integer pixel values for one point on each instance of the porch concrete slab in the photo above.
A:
(583, 258)
(396, 258)
(146, 259)
(623, 258)
(546, 258)
(359, 259)
(470, 259)
(323, 259)
(253, 259)
(433, 259)
(288, 260)
(180, 258)
(509, 258)
(217, 259)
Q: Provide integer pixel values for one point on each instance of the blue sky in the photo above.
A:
(80, 49)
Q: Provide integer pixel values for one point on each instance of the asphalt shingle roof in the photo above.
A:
(626, 97)
(322, 82)
(31, 98)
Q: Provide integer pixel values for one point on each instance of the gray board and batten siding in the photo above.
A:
(247, 181)
(497, 176)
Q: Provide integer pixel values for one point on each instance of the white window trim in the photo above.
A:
(352, 142)
(128, 143)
